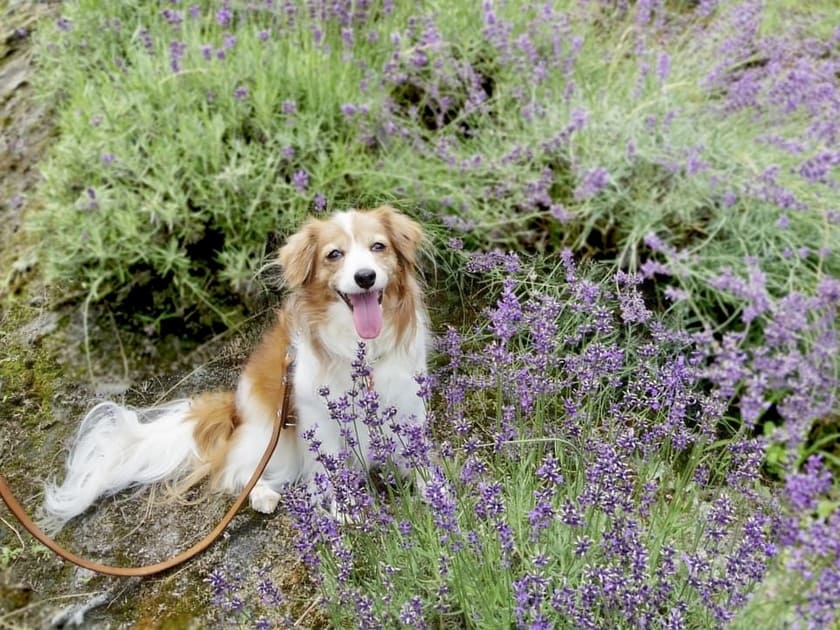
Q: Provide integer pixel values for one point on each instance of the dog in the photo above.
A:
(352, 277)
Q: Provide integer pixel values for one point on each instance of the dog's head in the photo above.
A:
(357, 257)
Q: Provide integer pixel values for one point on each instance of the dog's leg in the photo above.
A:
(284, 467)
(263, 498)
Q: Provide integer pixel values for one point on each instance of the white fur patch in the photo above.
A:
(263, 498)
(117, 448)
(357, 257)
(394, 372)
(249, 443)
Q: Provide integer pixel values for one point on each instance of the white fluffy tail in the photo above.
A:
(117, 448)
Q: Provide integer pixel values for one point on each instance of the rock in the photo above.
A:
(74, 615)
(45, 324)
(12, 76)
(111, 389)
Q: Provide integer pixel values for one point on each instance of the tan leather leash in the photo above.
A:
(281, 420)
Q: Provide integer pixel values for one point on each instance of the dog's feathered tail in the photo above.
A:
(119, 447)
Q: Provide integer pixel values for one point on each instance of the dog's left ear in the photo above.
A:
(405, 233)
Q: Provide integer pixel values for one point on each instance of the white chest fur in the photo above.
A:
(395, 367)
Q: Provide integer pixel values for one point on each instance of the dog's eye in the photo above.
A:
(377, 247)
(335, 254)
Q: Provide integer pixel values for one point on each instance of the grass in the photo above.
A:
(689, 144)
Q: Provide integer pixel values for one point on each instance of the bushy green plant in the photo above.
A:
(599, 469)
(192, 138)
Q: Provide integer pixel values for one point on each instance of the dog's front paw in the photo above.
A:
(263, 498)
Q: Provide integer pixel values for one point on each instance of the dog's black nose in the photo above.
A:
(365, 278)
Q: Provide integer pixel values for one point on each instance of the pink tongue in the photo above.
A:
(367, 314)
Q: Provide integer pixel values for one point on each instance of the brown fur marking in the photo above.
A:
(266, 367)
(215, 417)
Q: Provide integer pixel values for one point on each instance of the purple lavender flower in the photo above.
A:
(694, 164)
(441, 498)
(92, 203)
(753, 290)
(490, 505)
(241, 92)
(506, 316)
(484, 262)
(663, 67)
(571, 515)
(300, 180)
(176, 53)
(347, 37)
(317, 35)
(224, 16)
(729, 199)
(593, 182)
(269, 593)
(455, 222)
(559, 212)
(412, 615)
(174, 18)
(549, 470)
(579, 118)
(720, 518)
(651, 268)
(633, 309)
(228, 42)
(803, 489)
(542, 515)
(675, 294)
(146, 39)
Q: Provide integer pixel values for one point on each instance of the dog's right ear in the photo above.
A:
(297, 256)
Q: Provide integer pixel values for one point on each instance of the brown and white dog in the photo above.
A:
(352, 277)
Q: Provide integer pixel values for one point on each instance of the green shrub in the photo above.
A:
(192, 140)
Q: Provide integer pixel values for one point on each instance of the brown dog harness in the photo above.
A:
(280, 423)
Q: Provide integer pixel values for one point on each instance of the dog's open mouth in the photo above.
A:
(367, 312)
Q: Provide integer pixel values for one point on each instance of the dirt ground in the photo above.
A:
(47, 380)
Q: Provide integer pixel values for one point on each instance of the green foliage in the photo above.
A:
(199, 179)
(9, 553)
(521, 527)
(199, 183)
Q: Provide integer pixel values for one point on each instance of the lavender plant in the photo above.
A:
(252, 600)
(593, 471)
(190, 134)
